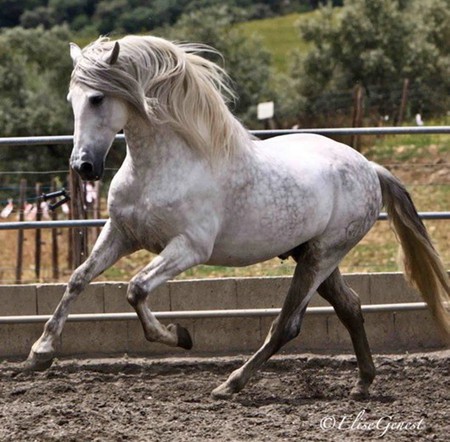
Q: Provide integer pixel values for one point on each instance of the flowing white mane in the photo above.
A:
(168, 83)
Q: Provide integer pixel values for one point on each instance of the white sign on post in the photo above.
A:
(265, 110)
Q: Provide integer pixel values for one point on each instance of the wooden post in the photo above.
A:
(22, 199)
(70, 264)
(97, 207)
(403, 102)
(77, 209)
(358, 110)
(55, 248)
(37, 235)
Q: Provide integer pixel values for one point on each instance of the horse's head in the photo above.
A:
(98, 117)
(161, 84)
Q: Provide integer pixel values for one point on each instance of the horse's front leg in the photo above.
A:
(180, 254)
(109, 247)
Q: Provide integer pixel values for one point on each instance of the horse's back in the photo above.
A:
(306, 148)
(333, 166)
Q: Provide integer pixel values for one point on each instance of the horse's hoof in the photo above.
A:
(37, 362)
(359, 393)
(184, 337)
(222, 392)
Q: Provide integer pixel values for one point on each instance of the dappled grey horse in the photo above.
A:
(195, 187)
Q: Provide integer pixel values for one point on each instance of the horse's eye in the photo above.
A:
(96, 100)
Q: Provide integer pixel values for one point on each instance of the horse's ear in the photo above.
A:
(112, 58)
(75, 52)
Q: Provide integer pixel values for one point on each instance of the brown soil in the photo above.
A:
(168, 400)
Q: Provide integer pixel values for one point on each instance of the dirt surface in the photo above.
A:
(295, 398)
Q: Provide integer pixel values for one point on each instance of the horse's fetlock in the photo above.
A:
(150, 337)
(51, 328)
(368, 375)
(236, 382)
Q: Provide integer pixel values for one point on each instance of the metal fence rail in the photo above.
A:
(75, 223)
(209, 314)
(71, 223)
(68, 139)
(404, 130)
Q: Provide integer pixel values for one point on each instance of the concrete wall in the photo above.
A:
(399, 331)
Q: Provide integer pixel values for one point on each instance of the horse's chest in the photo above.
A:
(148, 222)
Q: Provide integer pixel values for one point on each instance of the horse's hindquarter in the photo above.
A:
(296, 188)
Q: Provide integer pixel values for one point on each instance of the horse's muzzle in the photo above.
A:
(87, 170)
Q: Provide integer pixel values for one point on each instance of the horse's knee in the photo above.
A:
(76, 283)
(136, 292)
(78, 280)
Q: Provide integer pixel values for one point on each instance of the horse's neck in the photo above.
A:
(160, 148)
(150, 148)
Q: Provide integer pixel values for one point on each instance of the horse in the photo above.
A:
(196, 188)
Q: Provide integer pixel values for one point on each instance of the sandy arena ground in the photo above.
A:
(293, 398)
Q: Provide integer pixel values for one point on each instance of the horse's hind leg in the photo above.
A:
(347, 305)
(307, 277)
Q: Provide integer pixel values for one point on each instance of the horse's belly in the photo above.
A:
(255, 239)
(245, 256)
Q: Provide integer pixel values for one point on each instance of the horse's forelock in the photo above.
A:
(93, 70)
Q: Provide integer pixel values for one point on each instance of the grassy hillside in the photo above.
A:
(280, 35)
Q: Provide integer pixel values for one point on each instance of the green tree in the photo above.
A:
(377, 44)
(34, 74)
(108, 13)
(67, 10)
(244, 59)
(429, 58)
(136, 20)
(40, 16)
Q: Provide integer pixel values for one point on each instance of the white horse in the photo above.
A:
(196, 188)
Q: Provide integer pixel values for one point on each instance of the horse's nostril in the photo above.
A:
(88, 171)
(86, 168)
